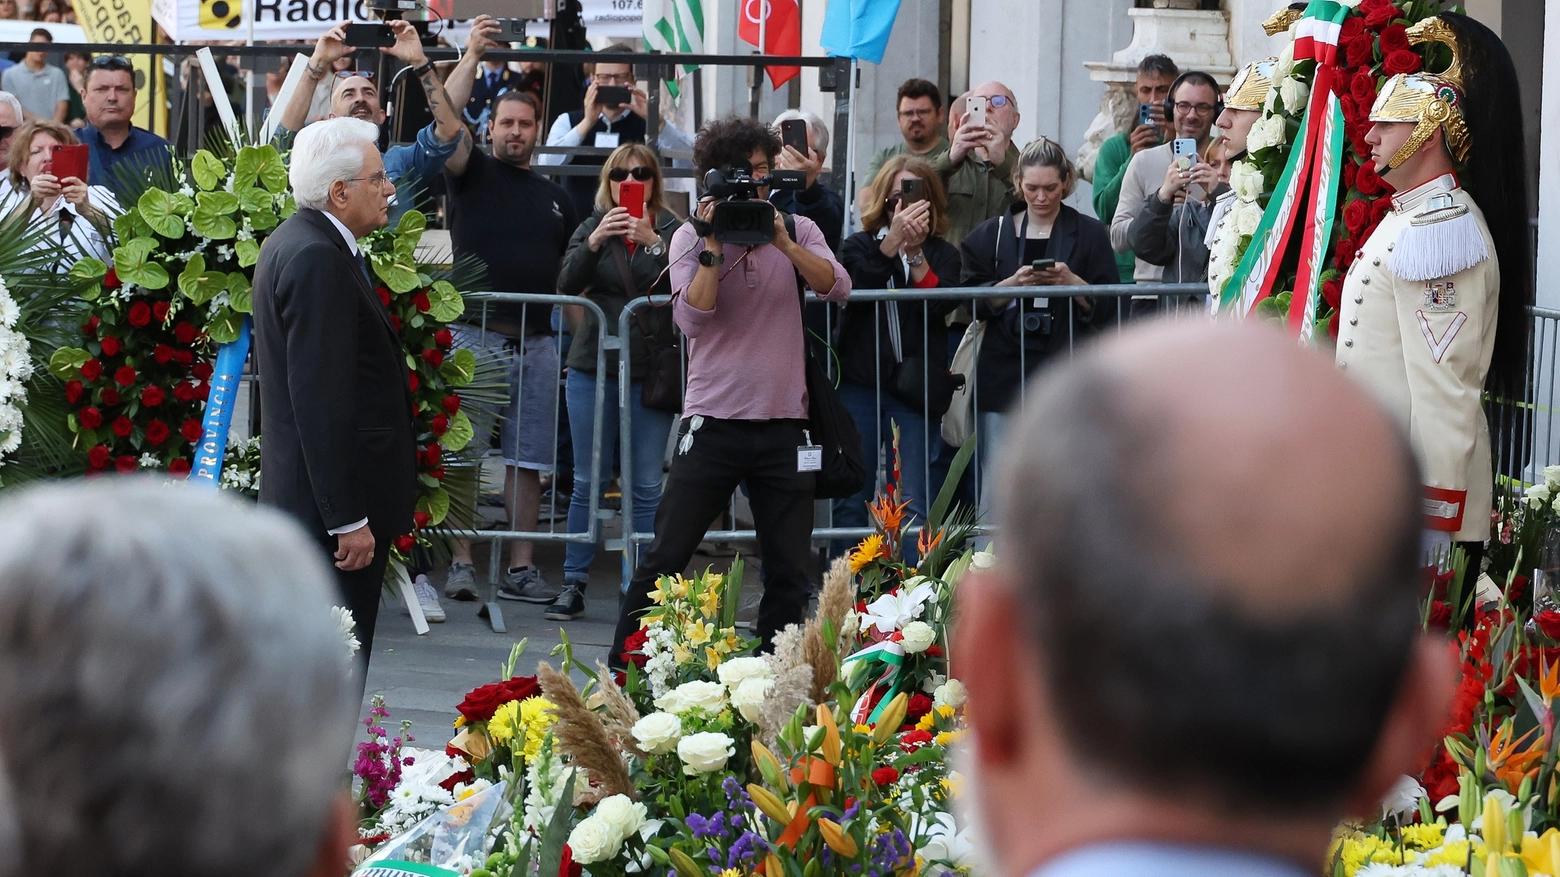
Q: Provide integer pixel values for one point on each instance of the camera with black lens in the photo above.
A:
(740, 216)
(1037, 323)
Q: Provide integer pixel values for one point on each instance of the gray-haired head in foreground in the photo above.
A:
(324, 153)
(1214, 536)
(177, 699)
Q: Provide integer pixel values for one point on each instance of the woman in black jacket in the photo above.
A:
(608, 245)
(1023, 332)
(894, 356)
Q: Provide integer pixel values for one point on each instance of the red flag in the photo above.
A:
(782, 33)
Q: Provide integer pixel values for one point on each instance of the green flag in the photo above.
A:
(675, 26)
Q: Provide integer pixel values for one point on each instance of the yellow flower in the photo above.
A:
(926, 722)
(947, 737)
(677, 586)
(1424, 835)
(697, 633)
(680, 653)
(1542, 856)
(1453, 853)
(537, 715)
(945, 711)
(870, 549)
(505, 722)
(862, 729)
(731, 872)
(711, 657)
(710, 603)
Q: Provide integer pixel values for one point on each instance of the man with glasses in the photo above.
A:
(1194, 99)
(920, 109)
(110, 137)
(978, 167)
(605, 126)
(1155, 74)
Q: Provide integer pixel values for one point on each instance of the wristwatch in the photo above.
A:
(916, 261)
(656, 249)
(709, 259)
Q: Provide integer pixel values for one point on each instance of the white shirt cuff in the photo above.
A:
(350, 528)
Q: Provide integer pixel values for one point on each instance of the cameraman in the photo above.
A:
(745, 410)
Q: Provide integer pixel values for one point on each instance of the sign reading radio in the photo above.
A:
(327, 12)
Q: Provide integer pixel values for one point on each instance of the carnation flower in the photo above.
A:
(705, 752)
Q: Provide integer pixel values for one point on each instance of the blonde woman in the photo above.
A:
(75, 215)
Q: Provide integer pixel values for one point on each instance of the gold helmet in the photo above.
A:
(1429, 100)
(1249, 89)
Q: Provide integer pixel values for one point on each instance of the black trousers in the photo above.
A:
(360, 590)
(723, 454)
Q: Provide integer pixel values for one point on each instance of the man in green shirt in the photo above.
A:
(920, 110)
(978, 166)
(1155, 73)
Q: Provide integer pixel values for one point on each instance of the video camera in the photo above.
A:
(741, 217)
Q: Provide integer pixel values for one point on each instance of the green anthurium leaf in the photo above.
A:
(412, 221)
(248, 253)
(459, 434)
(263, 221)
(67, 361)
(129, 225)
(88, 269)
(256, 200)
(224, 327)
(445, 302)
(212, 223)
(148, 274)
(406, 248)
(199, 284)
(288, 209)
(133, 252)
(221, 202)
(459, 368)
(436, 504)
(240, 293)
(260, 163)
(208, 170)
(395, 275)
(157, 208)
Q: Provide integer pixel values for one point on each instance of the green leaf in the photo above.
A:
(129, 225)
(198, 284)
(944, 499)
(131, 265)
(224, 327)
(160, 211)
(411, 221)
(445, 302)
(208, 170)
(436, 504)
(88, 269)
(67, 361)
(256, 200)
(459, 368)
(248, 253)
(556, 834)
(396, 276)
(212, 223)
(262, 163)
(222, 202)
(460, 433)
(240, 293)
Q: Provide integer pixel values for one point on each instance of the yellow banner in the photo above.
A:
(130, 22)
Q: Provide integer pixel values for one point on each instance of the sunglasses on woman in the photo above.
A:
(642, 174)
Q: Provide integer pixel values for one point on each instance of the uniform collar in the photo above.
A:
(1408, 200)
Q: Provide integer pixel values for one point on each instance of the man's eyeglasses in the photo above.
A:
(348, 74)
(922, 113)
(641, 173)
(613, 79)
(999, 100)
(378, 179)
(111, 62)
(1186, 107)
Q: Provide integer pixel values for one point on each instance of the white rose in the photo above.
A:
(749, 696)
(705, 752)
(1246, 180)
(983, 560)
(1247, 217)
(1555, 506)
(1552, 474)
(738, 670)
(918, 635)
(625, 816)
(657, 733)
(1286, 61)
(709, 695)
(950, 693)
(1266, 132)
(1539, 494)
(1293, 93)
(594, 840)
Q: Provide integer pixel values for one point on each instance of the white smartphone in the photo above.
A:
(975, 105)
(1184, 148)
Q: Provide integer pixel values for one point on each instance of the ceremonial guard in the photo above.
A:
(1434, 309)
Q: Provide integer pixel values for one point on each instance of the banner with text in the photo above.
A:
(129, 21)
(191, 20)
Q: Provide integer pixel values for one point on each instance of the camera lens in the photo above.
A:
(1033, 322)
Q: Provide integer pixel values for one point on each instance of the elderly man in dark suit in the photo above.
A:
(339, 444)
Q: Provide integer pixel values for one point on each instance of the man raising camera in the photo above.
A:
(745, 408)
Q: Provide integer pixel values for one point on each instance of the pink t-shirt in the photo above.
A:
(745, 354)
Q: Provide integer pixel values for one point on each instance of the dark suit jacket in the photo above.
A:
(334, 390)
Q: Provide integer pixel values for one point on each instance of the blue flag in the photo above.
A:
(858, 28)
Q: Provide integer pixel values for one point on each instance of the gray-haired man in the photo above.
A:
(178, 699)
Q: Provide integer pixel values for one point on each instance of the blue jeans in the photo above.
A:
(990, 429)
(652, 429)
(864, 405)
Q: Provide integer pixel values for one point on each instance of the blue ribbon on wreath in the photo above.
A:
(218, 419)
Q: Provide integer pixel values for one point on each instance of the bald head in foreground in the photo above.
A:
(1200, 646)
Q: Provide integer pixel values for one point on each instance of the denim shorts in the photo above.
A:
(528, 433)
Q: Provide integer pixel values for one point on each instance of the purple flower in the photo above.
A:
(737, 798)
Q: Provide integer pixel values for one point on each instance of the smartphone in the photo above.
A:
(69, 161)
(911, 191)
(1184, 149)
(631, 197)
(361, 36)
(1146, 114)
(793, 133)
(975, 105)
(613, 95)
(1042, 264)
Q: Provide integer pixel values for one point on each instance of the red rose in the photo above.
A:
(205, 390)
(405, 544)
(934, 651)
(433, 356)
(184, 332)
(98, 457)
(1367, 180)
(1514, 590)
(91, 370)
(915, 740)
(384, 295)
(412, 381)
(421, 519)
(125, 464)
(191, 430)
(1332, 327)
(73, 391)
(1401, 61)
(89, 418)
(1332, 291)
(432, 455)
(183, 357)
(1352, 27)
(162, 353)
(451, 404)
(918, 706)
(180, 466)
(184, 391)
(109, 396)
(440, 424)
(444, 338)
(633, 648)
(140, 314)
(438, 473)
(1355, 214)
(420, 301)
(1359, 52)
(1394, 38)
(152, 396)
(111, 346)
(89, 328)
(1379, 208)
(1351, 113)
(202, 371)
(110, 280)
(1440, 615)
(1362, 87)
(885, 775)
(122, 426)
(157, 432)
(1351, 173)
(1380, 14)
(449, 783)
(395, 323)
(481, 702)
(124, 376)
(160, 311)
(1548, 621)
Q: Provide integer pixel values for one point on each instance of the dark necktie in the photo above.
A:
(363, 266)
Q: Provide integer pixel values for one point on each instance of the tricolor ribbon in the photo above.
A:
(892, 656)
(207, 470)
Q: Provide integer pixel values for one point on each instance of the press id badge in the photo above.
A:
(607, 139)
(809, 457)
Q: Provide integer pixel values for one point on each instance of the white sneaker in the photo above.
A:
(428, 599)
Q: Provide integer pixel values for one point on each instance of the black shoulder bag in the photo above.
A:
(661, 386)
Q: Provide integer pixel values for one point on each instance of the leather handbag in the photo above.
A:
(958, 423)
(661, 386)
(912, 381)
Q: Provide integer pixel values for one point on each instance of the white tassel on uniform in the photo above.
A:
(1439, 243)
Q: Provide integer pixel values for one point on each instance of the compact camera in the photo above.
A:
(741, 217)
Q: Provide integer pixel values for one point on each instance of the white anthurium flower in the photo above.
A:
(891, 612)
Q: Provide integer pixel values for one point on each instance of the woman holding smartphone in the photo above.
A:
(71, 218)
(1172, 228)
(894, 355)
(1038, 242)
(616, 255)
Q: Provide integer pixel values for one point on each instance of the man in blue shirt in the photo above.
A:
(412, 166)
(111, 139)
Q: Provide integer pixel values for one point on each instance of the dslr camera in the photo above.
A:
(740, 216)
